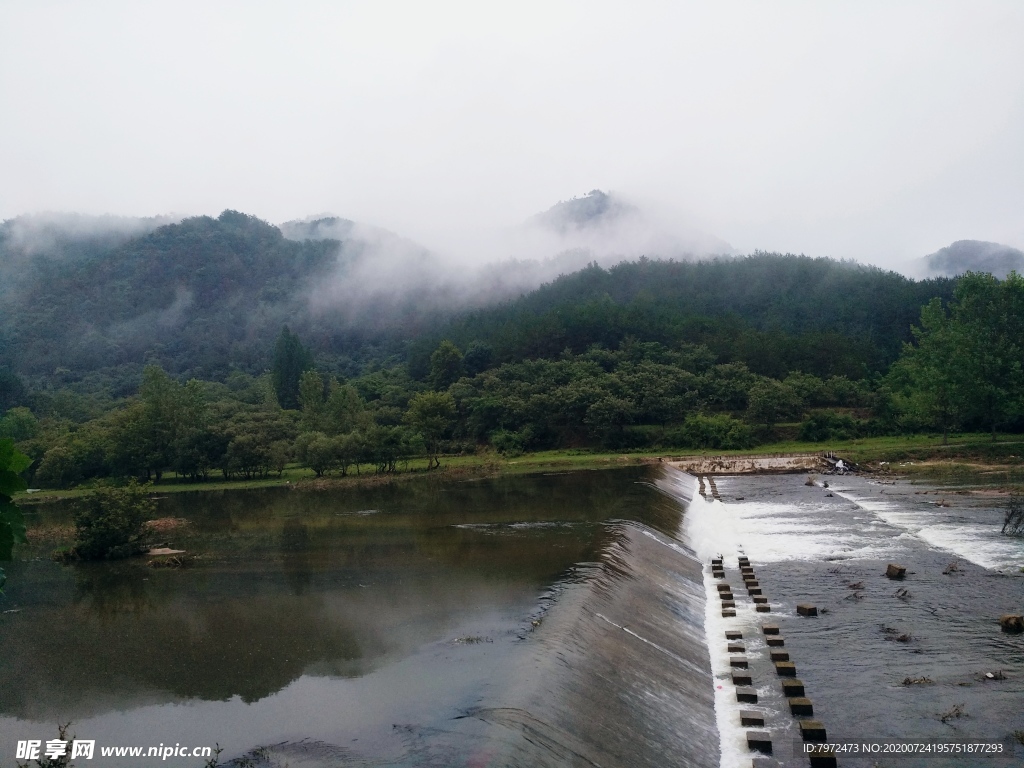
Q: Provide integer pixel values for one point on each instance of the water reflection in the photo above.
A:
(289, 583)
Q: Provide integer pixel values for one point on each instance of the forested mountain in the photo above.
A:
(233, 345)
(196, 296)
(206, 296)
(774, 312)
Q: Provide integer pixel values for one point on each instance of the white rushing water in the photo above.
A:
(704, 531)
(964, 530)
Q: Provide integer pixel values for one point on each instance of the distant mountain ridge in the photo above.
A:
(92, 301)
(974, 256)
(607, 228)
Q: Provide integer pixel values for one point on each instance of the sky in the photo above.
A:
(878, 131)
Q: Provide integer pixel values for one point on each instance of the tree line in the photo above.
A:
(961, 370)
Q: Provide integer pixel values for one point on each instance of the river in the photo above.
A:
(565, 619)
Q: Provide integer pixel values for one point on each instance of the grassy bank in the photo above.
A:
(964, 456)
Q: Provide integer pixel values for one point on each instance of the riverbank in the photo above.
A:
(969, 458)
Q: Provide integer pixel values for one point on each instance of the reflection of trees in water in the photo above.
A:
(211, 648)
(105, 590)
(295, 555)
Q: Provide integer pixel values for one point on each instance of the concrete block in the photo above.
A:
(762, 609)
(718, 574)
(806, 609)
(759, 599)
(737, 648)
(775, 641)
(732, 634)
(759, 741)
(812, 730)
(724, 588)
(801, 706)
(822, 758)
(746, 695)
(749, 576)
(750, 718)
(739, 662)
(753, 591)
(779, 655)
(894, 571)
(770, 629)
(717, 561)
(785, 668)
(742, 678)
(728, 613)
(792, 688)
(728, 603)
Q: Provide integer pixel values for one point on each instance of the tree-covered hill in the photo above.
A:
(207, 296)
(774, 312)
(196, 296)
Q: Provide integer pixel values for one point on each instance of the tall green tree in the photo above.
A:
(929, 376)
(291, 360)
(966, 365)
(431, 414)
(311, 401)
(988, 321)
(445, 365)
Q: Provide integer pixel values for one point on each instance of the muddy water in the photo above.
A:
(548, 620)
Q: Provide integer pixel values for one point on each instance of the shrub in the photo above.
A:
(826, 425)
(720, 432)
(108, 522)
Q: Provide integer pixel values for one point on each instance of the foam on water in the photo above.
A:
(704, 530)
(966, 532)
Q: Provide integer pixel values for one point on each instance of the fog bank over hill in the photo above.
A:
(376, 266)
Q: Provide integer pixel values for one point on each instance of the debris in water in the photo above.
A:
(916, 680)
(953, 713)
(894, 571)
(1012, 623)
(951, 568)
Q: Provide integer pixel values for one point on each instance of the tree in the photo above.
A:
(291, 360)
(12, 524)
(12, 391)
(769, 401)
(445, 365)
(431, 414)
(966, 365)
(311, 400)
(343, 410)
(478, 358)
(108, 522)
(988, 325)
(317, 451)
(928, 377)
(19, 424)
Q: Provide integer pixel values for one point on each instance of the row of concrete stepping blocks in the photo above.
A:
(749, 581)
(800, 706)
(703, 490)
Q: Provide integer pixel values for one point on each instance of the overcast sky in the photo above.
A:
(871, 130)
